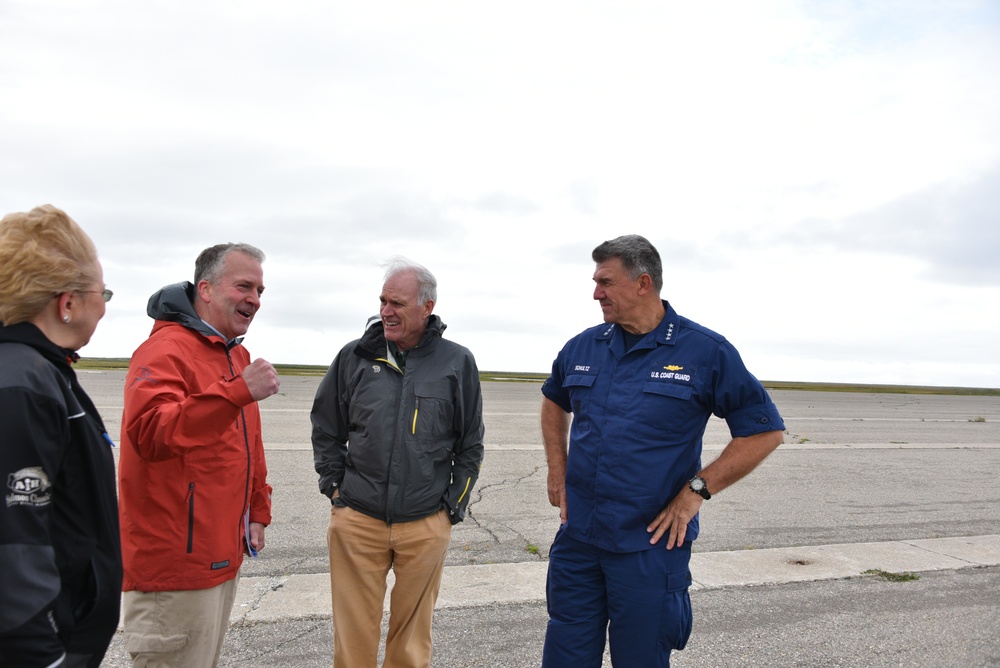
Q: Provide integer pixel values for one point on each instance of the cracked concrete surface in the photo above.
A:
(890, 482)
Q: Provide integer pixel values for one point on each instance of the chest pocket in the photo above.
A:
(669, 405)
(674, 390)
(434, 410)
(579, 380)
(578, 385)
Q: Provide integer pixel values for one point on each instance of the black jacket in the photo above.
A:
(60, 554)
(400, 445)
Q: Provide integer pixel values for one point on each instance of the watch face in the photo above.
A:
(697, 484)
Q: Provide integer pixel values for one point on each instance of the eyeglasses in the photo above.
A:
(107, 294)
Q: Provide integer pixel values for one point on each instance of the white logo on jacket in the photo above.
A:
(28, 487)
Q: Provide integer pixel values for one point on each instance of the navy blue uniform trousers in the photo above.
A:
(638, 600)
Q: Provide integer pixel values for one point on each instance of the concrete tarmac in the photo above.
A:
(792, 568)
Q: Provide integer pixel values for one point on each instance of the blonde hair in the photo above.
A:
(43, 253)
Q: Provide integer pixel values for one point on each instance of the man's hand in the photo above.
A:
(736, 460)
(257, 535)
(557, 493)
(261, 379)
(555, 436)
(675, 517)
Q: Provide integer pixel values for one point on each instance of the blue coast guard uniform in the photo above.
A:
(635, 442)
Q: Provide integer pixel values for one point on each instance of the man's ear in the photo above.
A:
(205, 291)
(645, 284)
(428, 307)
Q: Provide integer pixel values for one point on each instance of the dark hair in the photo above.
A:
(637, 256)
(210, 262)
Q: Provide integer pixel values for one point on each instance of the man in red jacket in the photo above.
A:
(193, 489)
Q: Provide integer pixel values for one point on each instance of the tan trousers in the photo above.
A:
(178, 629)
(362, 550)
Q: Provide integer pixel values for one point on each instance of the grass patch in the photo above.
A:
(102, 363)
(881, 389)
(300, 369)
(513, 377)
(891, 577)
(531, 548)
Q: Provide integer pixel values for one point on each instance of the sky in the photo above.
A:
(822, 179)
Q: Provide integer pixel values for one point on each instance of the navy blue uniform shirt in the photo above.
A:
(638, 421)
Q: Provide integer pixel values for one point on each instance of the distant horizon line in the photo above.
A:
(111, 363)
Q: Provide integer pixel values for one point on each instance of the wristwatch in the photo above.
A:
(698, 486)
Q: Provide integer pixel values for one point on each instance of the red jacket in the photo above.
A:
(192, 458)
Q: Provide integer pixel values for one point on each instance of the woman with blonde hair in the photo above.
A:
(60, 580)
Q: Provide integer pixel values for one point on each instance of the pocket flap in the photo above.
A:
(433, 390)
(675, 390)
(579, 380)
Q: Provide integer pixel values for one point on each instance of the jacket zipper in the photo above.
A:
(465, 491)
(246, 445)
(413, 429)
(190, 545)
(416, 409)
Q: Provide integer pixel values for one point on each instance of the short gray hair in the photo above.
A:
(426, 283)
(637, 256)
(212, 260)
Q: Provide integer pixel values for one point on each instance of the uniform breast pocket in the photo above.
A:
(667, 410)
(672, 390)
(433, 410)
(579, 388)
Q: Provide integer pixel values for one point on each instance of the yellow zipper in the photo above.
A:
(464, 491)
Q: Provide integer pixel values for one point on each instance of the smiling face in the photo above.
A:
(404, 318)
(230, 304)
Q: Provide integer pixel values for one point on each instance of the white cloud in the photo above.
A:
(820, 177)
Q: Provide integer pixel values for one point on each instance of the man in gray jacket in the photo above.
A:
(397, 442)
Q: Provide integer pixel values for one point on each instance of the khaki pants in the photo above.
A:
(178, 629)
(362, 550)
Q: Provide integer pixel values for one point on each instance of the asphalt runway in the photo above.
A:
(859, 474)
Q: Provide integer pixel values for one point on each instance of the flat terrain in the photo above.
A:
(855, 468)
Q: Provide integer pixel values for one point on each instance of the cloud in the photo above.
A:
(505, 204)
(811, 172)
(952, 228)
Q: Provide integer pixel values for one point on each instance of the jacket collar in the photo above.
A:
(175, 303)
(372, 344)
(28, 334)
(665, 332)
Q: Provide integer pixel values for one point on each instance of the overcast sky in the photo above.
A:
(821, 178)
